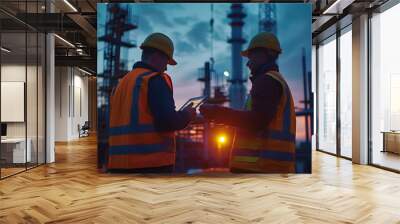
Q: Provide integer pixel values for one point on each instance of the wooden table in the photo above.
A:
(391, 141)
(13, 150)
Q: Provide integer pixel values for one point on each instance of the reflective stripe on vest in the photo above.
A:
(273, 149)
(133, 141)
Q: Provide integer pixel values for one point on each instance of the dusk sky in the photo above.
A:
(188, 25)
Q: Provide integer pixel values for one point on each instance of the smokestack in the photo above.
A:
(237, 89)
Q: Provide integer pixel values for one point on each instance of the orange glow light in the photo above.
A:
(221, 139)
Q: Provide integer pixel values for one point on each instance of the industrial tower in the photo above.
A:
(237, 89)
(119, 23)
(267, 18)
(208, 73)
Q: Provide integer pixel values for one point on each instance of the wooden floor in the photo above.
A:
(387, 159)
(10, 171)
(73, 191)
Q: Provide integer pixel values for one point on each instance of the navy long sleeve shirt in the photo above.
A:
(266, 93)
(162, 104)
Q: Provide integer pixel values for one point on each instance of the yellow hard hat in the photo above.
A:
(162, 43)
(263, 40)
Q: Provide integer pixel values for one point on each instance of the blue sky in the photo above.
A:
(187, 24)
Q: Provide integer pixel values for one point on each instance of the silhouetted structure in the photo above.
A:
(267, 18)
(237, 89)
(119, 22)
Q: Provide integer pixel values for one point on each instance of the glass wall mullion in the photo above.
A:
(338, 124)
(1, 160)
(37, 99)
(369, 77)
(26, 87)
(317, 96)
(327, 95)
(37, 91)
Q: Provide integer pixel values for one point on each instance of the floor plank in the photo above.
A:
(72, 190)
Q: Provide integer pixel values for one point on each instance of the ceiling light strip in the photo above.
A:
(70, 5)
(5, 49)
(331, 7)
(64, 40)
(84, 71)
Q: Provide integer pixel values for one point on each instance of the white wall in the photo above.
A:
(33, 127)
(80, 89)
(61, 103)
(71, 93)
(16, 73)
(11, 73)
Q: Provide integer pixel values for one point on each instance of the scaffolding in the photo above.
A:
(303, 150)
(208, 72)
(120, 23)
(267, 20)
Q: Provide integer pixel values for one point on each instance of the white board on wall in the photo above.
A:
(12, 101)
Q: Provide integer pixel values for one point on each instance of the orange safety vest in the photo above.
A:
(133, 140)
(271, 150)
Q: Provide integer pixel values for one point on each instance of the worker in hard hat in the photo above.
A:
(266, 128)
(142, 112)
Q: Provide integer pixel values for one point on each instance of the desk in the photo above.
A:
(13, 150)
(391, 141)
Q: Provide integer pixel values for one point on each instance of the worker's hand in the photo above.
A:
(191, 111)
(209, 111)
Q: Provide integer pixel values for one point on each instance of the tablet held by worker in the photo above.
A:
(194, 102)
(182, 98)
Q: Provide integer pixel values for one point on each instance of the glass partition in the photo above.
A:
(385, 89)
(346, 93)
(22, 88)
(327, 95)
(13, 109)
